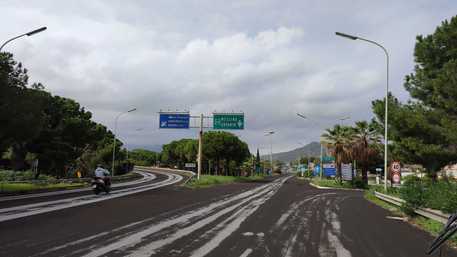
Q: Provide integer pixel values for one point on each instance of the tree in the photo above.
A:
(143, 157)
(424, 130)
(257, 162)
(224, 150)
(365, 147)
(20, 107)
(339, 141)
(56, 130)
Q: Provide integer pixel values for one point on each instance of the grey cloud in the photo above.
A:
(269, 59)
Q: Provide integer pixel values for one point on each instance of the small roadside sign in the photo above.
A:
(346, 171)
(190, 165)
(395, 169)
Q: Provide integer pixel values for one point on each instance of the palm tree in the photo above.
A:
(339, 141)
(366, 138)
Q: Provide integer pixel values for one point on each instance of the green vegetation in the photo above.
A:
(211, 180)
(361, 143)
(424, 130)
(333, 183)
(143, 157)
(9, 175)
(438, 195)
(57, 131)
(223, 153)
(30, 188)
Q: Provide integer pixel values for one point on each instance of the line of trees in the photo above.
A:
(36, 125)
(223, 153)
(361, 143)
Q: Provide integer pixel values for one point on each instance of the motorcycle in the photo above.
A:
(99, 185)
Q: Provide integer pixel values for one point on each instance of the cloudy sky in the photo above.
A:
(269, 59)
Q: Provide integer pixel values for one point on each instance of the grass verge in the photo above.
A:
(210, 180)
(332, 183)
(30, 188)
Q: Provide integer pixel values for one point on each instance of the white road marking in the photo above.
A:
(177, 223)
(44, 207)
(246, 252)
(396, 218)
(248, 234)
(146, 177)
(238, 218)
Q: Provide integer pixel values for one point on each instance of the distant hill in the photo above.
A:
(312, 149)
(155, 148)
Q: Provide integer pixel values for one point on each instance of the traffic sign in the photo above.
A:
(395, 168)
(228, 121)
(190, 165)
(174, 120)
(328, 159)
(329, 169)
(346, 171)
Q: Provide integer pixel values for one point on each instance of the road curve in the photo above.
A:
(285, 217)
(26, 210)
(146, 178)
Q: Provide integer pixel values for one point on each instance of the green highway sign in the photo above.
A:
(328, 159)
(228, 121)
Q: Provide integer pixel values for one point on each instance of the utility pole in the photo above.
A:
(114, 137)
(200, 148)
(270, 133)
(322, 163)
(386, 140)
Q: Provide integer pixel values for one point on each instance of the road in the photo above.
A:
(286, 217)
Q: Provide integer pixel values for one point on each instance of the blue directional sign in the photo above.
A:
(174, 120)
(329, 169)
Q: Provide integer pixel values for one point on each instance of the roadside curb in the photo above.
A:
(334, 188)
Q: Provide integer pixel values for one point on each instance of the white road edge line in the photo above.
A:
(172, 179)
(246, 252)
(146, 177)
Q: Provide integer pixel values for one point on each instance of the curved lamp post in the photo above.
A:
(115, 130)
(33, 32)
(386, 141)
(269, 134)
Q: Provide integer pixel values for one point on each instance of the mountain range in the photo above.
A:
(312, 149)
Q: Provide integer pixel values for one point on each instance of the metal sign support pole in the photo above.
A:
(322, 163)
(200, 148)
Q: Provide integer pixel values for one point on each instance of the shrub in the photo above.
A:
(9, 175)
(359, 183)
(413, 192)
(442, 195)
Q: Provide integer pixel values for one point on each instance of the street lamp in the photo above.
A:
(343, 119)
(386, 141)
(320, 142)
(269, 134)
(126, 147)
(301, 116)
(115, 130)
(33, 32)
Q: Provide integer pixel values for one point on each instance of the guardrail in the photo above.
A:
(425, 212)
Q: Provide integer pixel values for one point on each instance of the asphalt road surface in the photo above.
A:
(286, 217)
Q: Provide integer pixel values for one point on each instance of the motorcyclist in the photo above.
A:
(103, 174)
